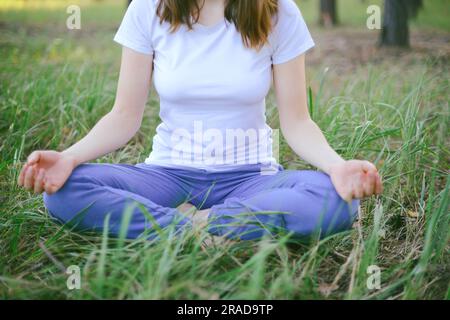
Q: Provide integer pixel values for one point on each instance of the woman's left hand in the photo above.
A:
(355, 179)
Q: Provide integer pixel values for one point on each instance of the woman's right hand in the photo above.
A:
(46, 170)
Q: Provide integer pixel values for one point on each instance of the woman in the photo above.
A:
(212, 63)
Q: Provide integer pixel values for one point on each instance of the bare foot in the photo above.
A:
(199, 220)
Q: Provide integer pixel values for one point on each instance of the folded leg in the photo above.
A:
(95, 190)
(302, 202)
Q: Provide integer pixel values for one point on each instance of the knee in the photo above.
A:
(338, 214)
(323, 211)
(322, 187)
(57, 205)
(50, 202)
(54, 205)
(317, 183)
(60, 203)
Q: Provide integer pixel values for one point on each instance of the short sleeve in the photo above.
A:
(291, 35)
(135, 31)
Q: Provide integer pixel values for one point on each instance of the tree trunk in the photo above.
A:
(395, 23)
(328, 13)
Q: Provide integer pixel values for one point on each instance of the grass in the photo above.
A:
(55, 84)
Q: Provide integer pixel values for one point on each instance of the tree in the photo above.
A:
(397, 14)
(328, 13)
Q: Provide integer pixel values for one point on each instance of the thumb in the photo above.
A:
(34, 157)
(346, 195)
(50, 188)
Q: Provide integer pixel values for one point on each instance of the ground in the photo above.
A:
(386, 105)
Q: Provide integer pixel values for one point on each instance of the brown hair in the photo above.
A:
(252, 18)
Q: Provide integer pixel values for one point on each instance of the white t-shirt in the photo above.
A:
(211, 87)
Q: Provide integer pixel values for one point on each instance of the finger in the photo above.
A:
(348, 197)
(367, 166)
(34, 157)
(378, 184)
(345, 195)
(358, 190)
(29, 178)
(369, 184)
(20, 179)
(50, 188)
(39, 183)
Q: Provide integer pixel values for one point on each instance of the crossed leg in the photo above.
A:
(95, 190)
(304, 203)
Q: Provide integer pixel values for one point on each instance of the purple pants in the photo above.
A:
(244, 204)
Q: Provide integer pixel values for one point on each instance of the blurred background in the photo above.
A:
(47, 64)
(34, 38)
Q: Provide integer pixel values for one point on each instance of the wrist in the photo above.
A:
(332, 166)
(71, 158)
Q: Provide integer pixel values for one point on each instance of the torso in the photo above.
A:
(210, 84)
